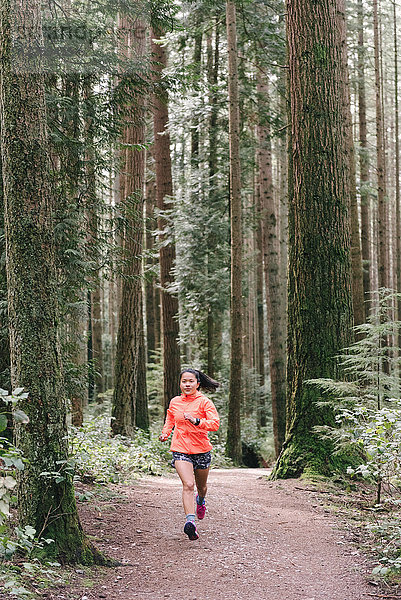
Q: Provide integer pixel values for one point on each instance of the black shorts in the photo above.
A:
(199, 461)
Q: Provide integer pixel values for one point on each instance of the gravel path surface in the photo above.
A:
(259, 540)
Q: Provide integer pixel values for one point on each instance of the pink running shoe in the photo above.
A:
(190, 530)
(200, 509)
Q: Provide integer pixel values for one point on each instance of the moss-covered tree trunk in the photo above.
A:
(130, 361)
(320, 299)
(43, 502)
(164, 191)
(233, 443)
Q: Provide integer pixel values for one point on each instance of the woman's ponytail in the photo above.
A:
(205, 382)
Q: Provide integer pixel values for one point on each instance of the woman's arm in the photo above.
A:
(212, 421)
(168, 425)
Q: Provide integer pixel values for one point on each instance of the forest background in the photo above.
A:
(194, 184)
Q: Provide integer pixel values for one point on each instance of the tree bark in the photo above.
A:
(364, 160)
(356, 252)
(320, 298)
(261, 410)
(150, 279)
(164, 191)
(130, 391)
(383, 251)
(93, 240)
(212, 77)
(233, 443)
(271, 262)
(43, 502)
(397, 176)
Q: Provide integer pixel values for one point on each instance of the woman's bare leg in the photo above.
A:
(185, 471)
(201, 476)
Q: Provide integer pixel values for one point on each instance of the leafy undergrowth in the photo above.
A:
(97, 456)
(375, 529)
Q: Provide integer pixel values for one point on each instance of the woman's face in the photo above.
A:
(188, 383)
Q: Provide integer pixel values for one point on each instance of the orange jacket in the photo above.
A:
(189, 438)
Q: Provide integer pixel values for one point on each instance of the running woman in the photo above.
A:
(192, 415)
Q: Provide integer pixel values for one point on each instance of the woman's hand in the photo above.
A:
(189, 417)
(163, 438)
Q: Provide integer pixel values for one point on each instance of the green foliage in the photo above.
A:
(23, 539)
(387, 535)
(367, 405)
(10, 457)
(24, 542)
(100, 457)
(24, 580)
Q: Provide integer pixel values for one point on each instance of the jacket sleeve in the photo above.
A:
(169, 422)
(212, 420)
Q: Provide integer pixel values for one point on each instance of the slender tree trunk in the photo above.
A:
(93, 241)
(364, 160)
(196, 64)
(44, 502)
(261, 411)
(384, 278)
(150, 279)
(130, 392)
(164, 191)
(397, 174)
(319, 299)
(212, 76)
(356, 252)
(5, 337)
(271, 261)
(89, 346)
(233, 444)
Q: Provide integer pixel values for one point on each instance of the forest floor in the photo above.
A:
(260, 540)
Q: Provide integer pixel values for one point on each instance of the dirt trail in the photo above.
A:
(259, 540)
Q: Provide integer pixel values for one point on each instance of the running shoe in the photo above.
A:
(190, 530)
(200, 509)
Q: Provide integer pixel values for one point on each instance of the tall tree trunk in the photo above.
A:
(89, 345)
(212, 78)
(67, 161)
(93, 241)
(384, 278)
(397, 175)
(44, 502)
(356, 252)
(130, 362)
(4, 333)
(271, 262)
(150, 279)
(364, 160)
(319, 299)
(261, 411)
(233, 444)
(164, 191)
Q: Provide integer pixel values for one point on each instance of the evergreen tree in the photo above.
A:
(46, 498)
(320, 302)
(130, 379)
(164, 191)
(233, 443)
